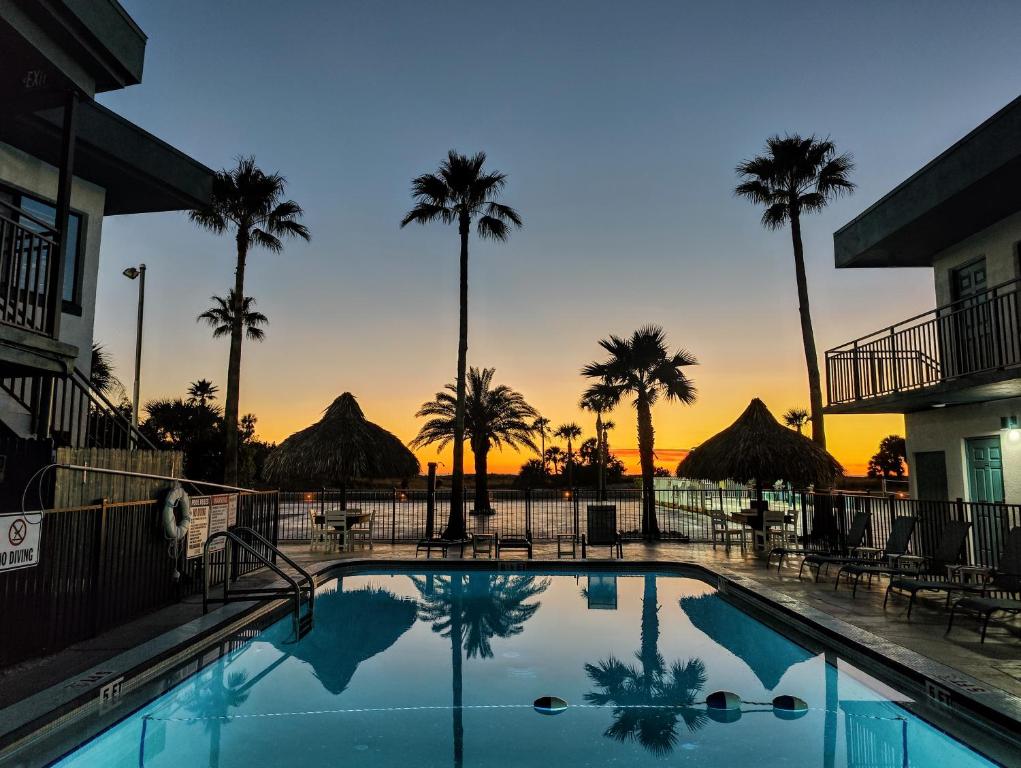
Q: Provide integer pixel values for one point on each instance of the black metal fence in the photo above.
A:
(102, 565)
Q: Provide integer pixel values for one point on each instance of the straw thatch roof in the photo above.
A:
(758, 448)
(341, 446)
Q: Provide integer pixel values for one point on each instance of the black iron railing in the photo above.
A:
(975, 335)
(27, 246)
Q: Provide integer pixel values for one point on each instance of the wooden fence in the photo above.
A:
(75, 489)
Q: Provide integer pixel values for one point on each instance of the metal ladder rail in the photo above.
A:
(308, 577)
(294, 591)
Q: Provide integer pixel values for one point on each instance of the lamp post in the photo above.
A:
(132, 273)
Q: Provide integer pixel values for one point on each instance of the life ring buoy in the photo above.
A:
(175, 505)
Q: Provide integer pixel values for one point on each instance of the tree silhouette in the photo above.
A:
(795, 418)
(220, 317)
(599, 398)
(201, 392)
(462, 193)
(541, 426)
(569, 432)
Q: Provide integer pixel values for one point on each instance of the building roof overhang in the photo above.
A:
(139, 172)
(967, 188)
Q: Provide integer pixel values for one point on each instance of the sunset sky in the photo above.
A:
(619, 126)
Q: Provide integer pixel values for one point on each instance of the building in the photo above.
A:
(954, 371)
(66, 163)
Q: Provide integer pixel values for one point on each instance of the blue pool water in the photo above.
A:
(442, 670)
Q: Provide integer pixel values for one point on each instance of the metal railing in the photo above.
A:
(27, 246)
(978, 334)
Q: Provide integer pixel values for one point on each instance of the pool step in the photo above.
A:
(304, 625)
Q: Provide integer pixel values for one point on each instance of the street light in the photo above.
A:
(132, 273)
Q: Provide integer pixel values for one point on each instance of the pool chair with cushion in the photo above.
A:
(601, 530)
(949, 552)
(896, 545)
(1005, 578)
(855, 536)
(514, 542)
(440, 545)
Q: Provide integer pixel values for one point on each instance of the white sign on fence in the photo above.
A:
(198, 531)
(232, 510)
(219, 517)
(19, 541)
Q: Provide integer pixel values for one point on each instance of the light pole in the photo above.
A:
(131, 273)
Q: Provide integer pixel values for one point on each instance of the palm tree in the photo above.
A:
(641, 368)
(201, 392)
(648, 699)
(220, 317)
(598, 398)
(494, 416)
(248, 203)
(569, 432)
(798, 175)
(461, 193)
(553, 455)
(101, 375)
(541, 427)
(796, 418)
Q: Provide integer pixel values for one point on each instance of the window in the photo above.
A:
(72, 267)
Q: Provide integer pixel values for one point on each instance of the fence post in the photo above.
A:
(959, 508)
(528, 510)
(393, 517)
(430, 501)
(276, 522)
(99, 569)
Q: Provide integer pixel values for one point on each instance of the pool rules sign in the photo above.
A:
(19, 541)
(210, 515)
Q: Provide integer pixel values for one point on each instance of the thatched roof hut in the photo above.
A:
(757, 448)
(340, 447)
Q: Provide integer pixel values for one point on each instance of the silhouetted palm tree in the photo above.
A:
(220, 317)
(247, 202)
(796, 418)
(541, 426)
(642, 369)
(569, 432)
(461, 193)
(649, 698)
(798, 175)
(493, 416)
(599, 398)
(201, 392)
(553, 455)
(101, 375)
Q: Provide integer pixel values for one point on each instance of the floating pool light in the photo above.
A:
(549, 705)
(789, 707)
(724, 700)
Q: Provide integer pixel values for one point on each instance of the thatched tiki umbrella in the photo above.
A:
(340, 447)
(758, 449)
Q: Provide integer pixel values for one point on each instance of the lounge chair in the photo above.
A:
(437, 544)
(514, 542)
(601, 530)
(855, 536)
(948, 554)
(1005, 578)
(896, 544)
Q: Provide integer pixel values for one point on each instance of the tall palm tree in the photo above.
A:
(569, 432)
(494, 416)
(798, 175)
(599, 398)
(642, 369)
(249, 204)
(553, 455)
(201, 392)
(541, 426)
(648, 699)
(796, 418)
(101, 375)
(462, 193)
(220, 317)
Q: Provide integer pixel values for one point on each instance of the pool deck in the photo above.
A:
(996, 663)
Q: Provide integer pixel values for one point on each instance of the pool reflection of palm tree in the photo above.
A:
(648, 698)
(471, 609)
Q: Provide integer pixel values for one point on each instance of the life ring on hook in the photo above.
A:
(176, 513)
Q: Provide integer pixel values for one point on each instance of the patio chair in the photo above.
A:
(896, 545)
(336, 530)
(777, 529)
(514, 542)
(437, 544)
(948, 554)
(601, 530)
(361, 533)
(317, 529)
(855, 536)
(726, 528)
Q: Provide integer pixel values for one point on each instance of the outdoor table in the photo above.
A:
(567, 542)
(751, 517)
(352, 517)
(483, 543)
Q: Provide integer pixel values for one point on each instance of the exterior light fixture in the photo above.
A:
(1009, 424)
(132, 273)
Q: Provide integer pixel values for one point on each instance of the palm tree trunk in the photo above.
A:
(542, 456)
(481, 477)
(807, 334)
(650, 526)
(649, 652)
(600, 458)
(456, 673)
(233, 396)
(570, 464)
(455, 523)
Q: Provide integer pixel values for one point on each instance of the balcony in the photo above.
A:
(969, 351)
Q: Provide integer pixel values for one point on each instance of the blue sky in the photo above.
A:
(619, 126)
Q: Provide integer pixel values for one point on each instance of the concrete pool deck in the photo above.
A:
(996, 663)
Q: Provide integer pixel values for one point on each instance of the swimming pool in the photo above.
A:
(442, 668)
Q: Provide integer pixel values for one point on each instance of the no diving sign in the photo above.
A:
(19, 542)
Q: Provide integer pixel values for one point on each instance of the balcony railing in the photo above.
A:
(26, 247)
(975, 335)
